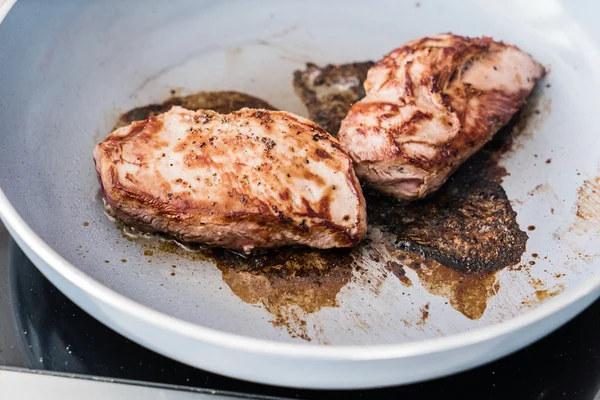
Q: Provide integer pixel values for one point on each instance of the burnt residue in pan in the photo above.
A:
(398, 270)
(455, 240)
(328, 92)
(220, 101)
(468, 225)
(468, 293)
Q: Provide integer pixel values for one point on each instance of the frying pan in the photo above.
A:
(69, 69)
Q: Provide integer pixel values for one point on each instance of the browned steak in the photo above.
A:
(429, 106)
(251, 178)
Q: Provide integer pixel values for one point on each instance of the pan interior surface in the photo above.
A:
(69, 69)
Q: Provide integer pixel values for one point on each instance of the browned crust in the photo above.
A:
(149, 213)
(465, 49)
(466, 117)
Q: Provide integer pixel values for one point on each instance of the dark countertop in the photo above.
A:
(42, 329)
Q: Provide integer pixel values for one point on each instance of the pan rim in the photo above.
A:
(234, 341)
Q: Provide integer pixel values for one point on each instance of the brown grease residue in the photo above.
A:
(424, 314)
(536, 283)
(547, 293)
(467, 293)
(86, 223)
(328, 92)
(398, 270)
(541, 189)
(587, 215)
(542, 294)
(289, 283)
(220, 101)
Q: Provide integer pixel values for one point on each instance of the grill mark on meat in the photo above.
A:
(145, 129)
(325, 207)
(322, 154)
(309, 210)
(180, 147)
(409, 127)
(337, 146)
(130, 178)
(284, 195)
(196, 160)
(310, 176)
(138, 127)
(408, 85)
(418, 116)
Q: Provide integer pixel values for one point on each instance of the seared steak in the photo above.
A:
(252, 178)
(429, 106)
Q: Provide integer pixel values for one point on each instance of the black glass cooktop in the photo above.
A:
(41, 329)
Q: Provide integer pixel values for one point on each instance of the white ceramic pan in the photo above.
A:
(68, 69)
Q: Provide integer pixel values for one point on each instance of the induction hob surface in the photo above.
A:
(41, 329)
